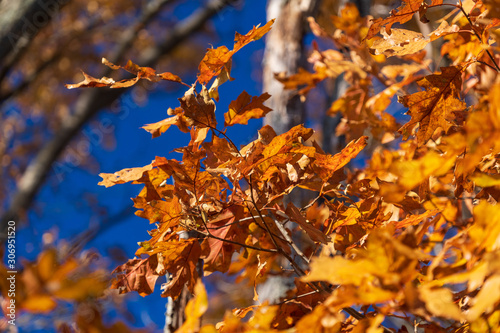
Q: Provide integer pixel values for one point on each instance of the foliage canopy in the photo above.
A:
(412, 240)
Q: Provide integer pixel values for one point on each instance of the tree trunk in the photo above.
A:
(284, 53)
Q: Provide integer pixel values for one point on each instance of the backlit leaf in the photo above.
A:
(246, 107)
(401, 15)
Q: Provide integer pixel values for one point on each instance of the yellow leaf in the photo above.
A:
(195, 308)
(439, 302)
(485, 231)
(400, 42)
(484, 302)
(39, 304)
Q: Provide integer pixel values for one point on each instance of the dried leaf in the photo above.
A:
(431, 108)
(401, 15)
(246, 107)
(124, 176)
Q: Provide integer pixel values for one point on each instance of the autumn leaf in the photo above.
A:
(415, 219)
(92, 82)
(439, 302)
(180, 259)
(224, 226)
(195, 309)
(401, 15)
(315, 234)
(246, 107)
(139, 72)
(147, 73)
(137, 275)
(349, 19)
(431, 108)
(255, 34)
(302, 78)
(327, 165)
(124, 176)
(400, 42)
(217, 61)
(200, 108)
(213, 63)
(158, 128)
(412, 173)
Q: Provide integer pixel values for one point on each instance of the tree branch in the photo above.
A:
(20, 22)
(88, 105)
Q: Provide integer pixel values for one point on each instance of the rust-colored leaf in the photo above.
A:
(180, 259)
(327, 165)
(123, 176)
(431, 108)
(200, 108)
(255, 34)
(246, 107)
(401, 15)
(92, 82)
(315, 234)
(137, 275)
(217, 61)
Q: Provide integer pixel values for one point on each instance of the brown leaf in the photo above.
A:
(327, 165)
(246, 107)
(401, 15)
(431, 108)
(92, 82)
(124, 176)
(400, 42)
(315, 234)
(137, 275)
(180, 259)
(224, 226)
(218, 61)
(199, 107)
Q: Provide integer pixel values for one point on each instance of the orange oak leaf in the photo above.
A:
(412, 173)
(140, 73)
(255, 34)
(316, 235)
(283, 142)
(303, 77)
(431, 108)
(147, 73)
(326, 165)
(195, 309)
(400, 42)
(199, 108)
(218, 60)
(124, 176)
(224, 226)
(180, 259)
(178, 119)
(137, 275)
(415, 219)
(213, 63)
(349, 20)
(401, 15)
(92, 82)
(246, 107)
